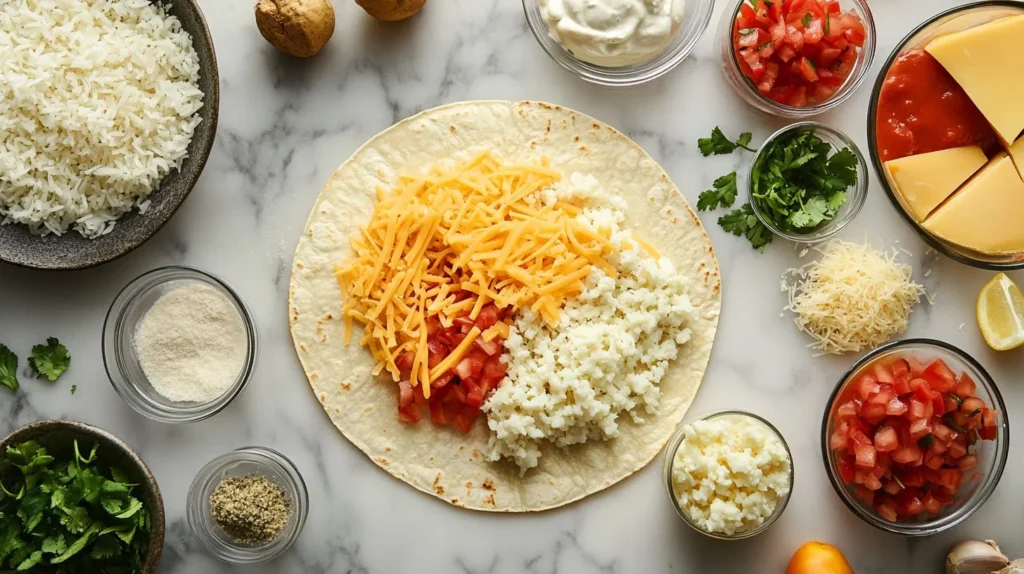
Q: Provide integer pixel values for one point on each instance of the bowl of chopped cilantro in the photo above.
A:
(76, 499)
(807, 182)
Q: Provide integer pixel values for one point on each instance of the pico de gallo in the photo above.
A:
(904, 434)
(457, 395)
(797, 52)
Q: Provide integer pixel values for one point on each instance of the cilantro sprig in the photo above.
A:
(722, 194)
(68, 517)
(49, 361)
(8, 368)
(799, 181)
(718, 144)
(742, 222)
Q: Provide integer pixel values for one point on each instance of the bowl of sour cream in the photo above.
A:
(618, 42)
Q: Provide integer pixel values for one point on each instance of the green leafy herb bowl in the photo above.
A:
(58, 437)
(766, 206)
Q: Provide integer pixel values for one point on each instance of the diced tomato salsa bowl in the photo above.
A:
(945, 22)
(796, 58)
(915, 437)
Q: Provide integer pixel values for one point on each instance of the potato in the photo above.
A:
(391, 10)
(296, 27)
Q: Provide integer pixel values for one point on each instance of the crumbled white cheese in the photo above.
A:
(606, 356)
(729, 473)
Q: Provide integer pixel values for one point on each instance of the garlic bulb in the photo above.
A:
(976, 557)
(1015, 567)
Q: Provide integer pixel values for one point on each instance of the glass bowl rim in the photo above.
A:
(623, 76)
(262, 456)
(876, 161)
(669, 462)
(858, 196)
(1002, 446)
(120, 382)
(788, 111)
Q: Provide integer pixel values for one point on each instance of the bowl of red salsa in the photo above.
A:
(915, 437)
(917, 107)
(796, 58)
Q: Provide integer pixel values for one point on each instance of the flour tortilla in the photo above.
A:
(439, 460)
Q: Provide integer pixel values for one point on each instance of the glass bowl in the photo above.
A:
(669, 461)
(249, 460)
(855, 196)
(959, 18)
(748, 92)
(992, 454)
(122, 364)
(696, 15)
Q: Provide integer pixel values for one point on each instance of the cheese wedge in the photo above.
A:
(987, 214)
(926, 180)
(981, 60)
(1017, 154)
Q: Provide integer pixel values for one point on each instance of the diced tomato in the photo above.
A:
(942, 432)
(864, 495)
(895, 407)
(405, 394)
(491, 347)
(930, 504)
(989, 417)
(955, 450)
(934, 461)
(871, 482)
(938, 447)
(939, 376)
(846, 471)
(463, 422)
(814, 31)
(887, 510)
(966, 386)
(892, 487)
(920, 428)
(867, 385)
(912, 478)
(916, 410)
(786, 53)
(912, 507)
(770, 75)
(848, 409)
(872, 412)
(866, 455)
(853, 29)
(973, 406)
(746, 17)
(886, 439)
(967, 462)
(906, 454)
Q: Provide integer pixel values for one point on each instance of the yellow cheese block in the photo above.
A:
(987, 214)
(1017, 153)
(985, 61)
(926, 180)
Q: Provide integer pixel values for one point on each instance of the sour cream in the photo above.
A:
(612, 33)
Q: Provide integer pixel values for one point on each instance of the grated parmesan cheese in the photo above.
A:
(855, 297)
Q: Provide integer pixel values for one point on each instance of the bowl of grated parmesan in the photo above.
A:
(179, 344)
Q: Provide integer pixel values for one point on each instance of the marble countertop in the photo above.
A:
(287, 124)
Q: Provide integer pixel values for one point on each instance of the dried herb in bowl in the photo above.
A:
(68, 517)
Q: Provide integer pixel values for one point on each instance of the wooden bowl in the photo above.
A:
(72, 251)
(58, 437)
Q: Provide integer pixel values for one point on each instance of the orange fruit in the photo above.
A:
(818, 558)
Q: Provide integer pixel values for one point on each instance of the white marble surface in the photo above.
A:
(286, 124)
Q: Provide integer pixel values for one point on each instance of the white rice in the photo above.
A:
(98, 102)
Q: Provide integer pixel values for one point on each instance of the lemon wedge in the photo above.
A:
(1000, 309)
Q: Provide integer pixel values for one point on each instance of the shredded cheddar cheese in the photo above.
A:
(447, 243)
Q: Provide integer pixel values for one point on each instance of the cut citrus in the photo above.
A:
(1000, 309)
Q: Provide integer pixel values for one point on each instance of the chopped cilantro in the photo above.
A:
(719, 144)
(746, 31)
(743, 222)
(806, 20)
(49, 361)
(926, 441)
(828, 23)
(797, 185)
(8, 368)
(723, 194)
(68, 516)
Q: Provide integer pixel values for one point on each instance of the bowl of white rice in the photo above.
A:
(108, 110)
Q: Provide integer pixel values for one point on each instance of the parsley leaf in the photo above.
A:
(49, 361)
(8, 368)
(743, 222)
(806, 20)
(718, 144)
(799, 181)
(723, 194)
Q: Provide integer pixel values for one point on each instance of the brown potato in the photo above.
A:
(296, 27)
(391, 10)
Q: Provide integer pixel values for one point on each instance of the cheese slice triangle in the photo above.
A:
(1017, 154)
(987, 214)
(926, 180)
(982, 60)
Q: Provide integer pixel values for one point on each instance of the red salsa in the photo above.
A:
(457, 395)
(904, 435)
(797, 52)
(922, 109)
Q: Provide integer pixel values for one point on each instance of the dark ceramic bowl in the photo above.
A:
(72, 251)
(58, 438)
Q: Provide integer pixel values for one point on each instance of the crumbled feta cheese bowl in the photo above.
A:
(729, 474)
